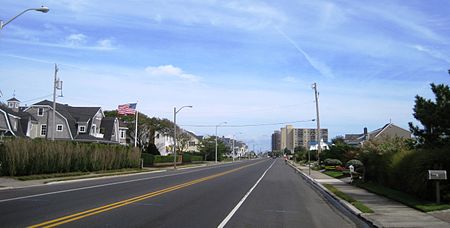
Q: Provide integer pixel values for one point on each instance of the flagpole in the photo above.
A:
(136, 129)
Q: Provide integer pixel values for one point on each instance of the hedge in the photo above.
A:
(148, 159)
(27, 157)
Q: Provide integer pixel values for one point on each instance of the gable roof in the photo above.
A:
(108, 125)
(13, 99)
(22, 120)
(73, 115)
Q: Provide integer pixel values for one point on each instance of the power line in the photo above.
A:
(252, 125)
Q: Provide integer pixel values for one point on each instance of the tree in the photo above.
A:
(147, 126)
(434, 117)
(183, 140)
(208, 146)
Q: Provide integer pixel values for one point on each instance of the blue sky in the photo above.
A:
(244, 62)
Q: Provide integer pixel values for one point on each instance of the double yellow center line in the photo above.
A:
(94, 211)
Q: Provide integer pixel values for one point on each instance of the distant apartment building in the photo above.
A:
(276, 141)
(291, 137)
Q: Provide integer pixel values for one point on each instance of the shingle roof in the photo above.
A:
(73, 114)
(13, 99)
(108, 125)
(22, 124)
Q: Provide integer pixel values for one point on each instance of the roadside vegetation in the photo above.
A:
(360, 206)
(20, 157)
(394, 167)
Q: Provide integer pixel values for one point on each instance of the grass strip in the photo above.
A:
(77, 174)
(404, 198)
(334, 174)
(363, 208)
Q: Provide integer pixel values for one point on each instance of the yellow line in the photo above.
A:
(97, 210)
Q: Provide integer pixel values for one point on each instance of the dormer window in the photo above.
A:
(82, 129)
(40, 112)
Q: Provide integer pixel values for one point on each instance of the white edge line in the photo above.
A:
(108, 184)
(232, 212)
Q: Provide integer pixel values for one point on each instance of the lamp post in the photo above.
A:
(175, 111)
(218, 125)
(42, 9)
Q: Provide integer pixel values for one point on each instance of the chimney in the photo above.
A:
(366, 134)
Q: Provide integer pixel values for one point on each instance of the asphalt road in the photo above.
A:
(257, 193)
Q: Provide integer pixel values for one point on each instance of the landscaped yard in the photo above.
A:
(422, 205)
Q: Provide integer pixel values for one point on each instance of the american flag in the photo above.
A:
(127, 109)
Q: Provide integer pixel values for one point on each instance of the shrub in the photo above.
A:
(148, 159)
(27, 157)
(163, 159)
(332, 162)
(187, 157)
(196, 158)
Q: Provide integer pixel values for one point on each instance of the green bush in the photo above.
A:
(196, 158)
(332, 162)
(163, 159)
(187, 157)
(20, 157)
(148, 159)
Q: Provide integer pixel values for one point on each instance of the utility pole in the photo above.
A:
(319, 148)
(57, 85)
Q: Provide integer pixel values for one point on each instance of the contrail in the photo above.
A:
(319, 66)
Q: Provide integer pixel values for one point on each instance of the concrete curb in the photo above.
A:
(335, 200)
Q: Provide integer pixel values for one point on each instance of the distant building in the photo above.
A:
(294, 137)
(387, 131)
(276, 141)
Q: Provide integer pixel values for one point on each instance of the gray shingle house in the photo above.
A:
(387, 131)
(83, 124)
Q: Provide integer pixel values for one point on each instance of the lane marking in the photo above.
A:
(232, 212)
(105, 185)
(108, 207)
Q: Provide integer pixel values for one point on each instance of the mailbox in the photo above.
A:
(437, 174)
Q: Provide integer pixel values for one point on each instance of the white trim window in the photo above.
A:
(43, 129)
(59, 127)
(82, 129)
(40, 112)
(122, 134)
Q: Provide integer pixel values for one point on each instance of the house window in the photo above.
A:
(40, 112)
(157, 136)
(82, 129)
(122, 134)
(191, 143)
(59, 127)
(43, 129)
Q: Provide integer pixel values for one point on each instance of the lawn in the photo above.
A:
(409, 200)
(335, 174)
(363, 208)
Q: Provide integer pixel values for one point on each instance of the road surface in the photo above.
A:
(256, 193)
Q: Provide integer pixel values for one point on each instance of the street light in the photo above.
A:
(218, 125)
(42, 9)
(175, 111)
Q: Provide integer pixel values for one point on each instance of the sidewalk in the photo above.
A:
(387, 213)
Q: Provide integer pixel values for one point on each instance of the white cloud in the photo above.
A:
(170, 71)
(433, 53)
(321, 67)
(76, 39)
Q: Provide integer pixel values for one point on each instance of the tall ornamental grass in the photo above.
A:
(27, 157)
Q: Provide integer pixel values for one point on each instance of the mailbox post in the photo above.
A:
(437, 175)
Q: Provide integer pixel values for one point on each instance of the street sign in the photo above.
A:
(437, 174)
